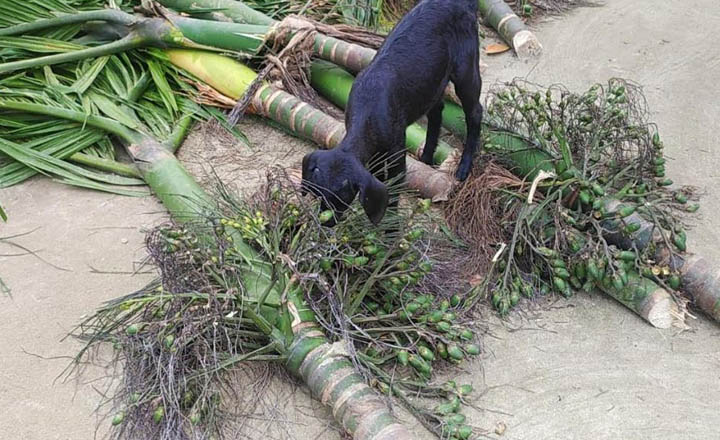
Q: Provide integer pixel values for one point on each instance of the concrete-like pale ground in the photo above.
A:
(583, 368)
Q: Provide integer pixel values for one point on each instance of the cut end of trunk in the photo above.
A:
(647, 299)
(526, 44)
(701, 280)
(430, 183)
(660, 309)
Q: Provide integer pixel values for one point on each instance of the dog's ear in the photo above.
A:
(373, 196)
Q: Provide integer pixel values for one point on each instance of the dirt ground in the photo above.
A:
(583, 368)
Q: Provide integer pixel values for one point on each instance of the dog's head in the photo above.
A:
(337, 177)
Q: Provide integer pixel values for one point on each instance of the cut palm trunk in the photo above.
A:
(511, 28)
(360, 411)
(301, 118)
(699, 278)
(645, 298)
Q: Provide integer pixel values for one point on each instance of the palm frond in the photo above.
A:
(50, 113)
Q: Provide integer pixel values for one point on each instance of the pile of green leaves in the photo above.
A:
(606, 212)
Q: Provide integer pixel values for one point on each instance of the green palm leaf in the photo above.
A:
(69, 173)
(60, 145)
(161, 83)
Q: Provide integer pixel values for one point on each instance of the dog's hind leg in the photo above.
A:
(434, 120)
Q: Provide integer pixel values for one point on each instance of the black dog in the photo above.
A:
(436, 42)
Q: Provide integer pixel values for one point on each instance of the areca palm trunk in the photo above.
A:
(330, 375)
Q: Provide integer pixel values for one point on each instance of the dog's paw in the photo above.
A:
(462, 173)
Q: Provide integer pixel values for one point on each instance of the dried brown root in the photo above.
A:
(289, 68)
(475, 214)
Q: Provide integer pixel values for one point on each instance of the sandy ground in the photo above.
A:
(584, 368)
